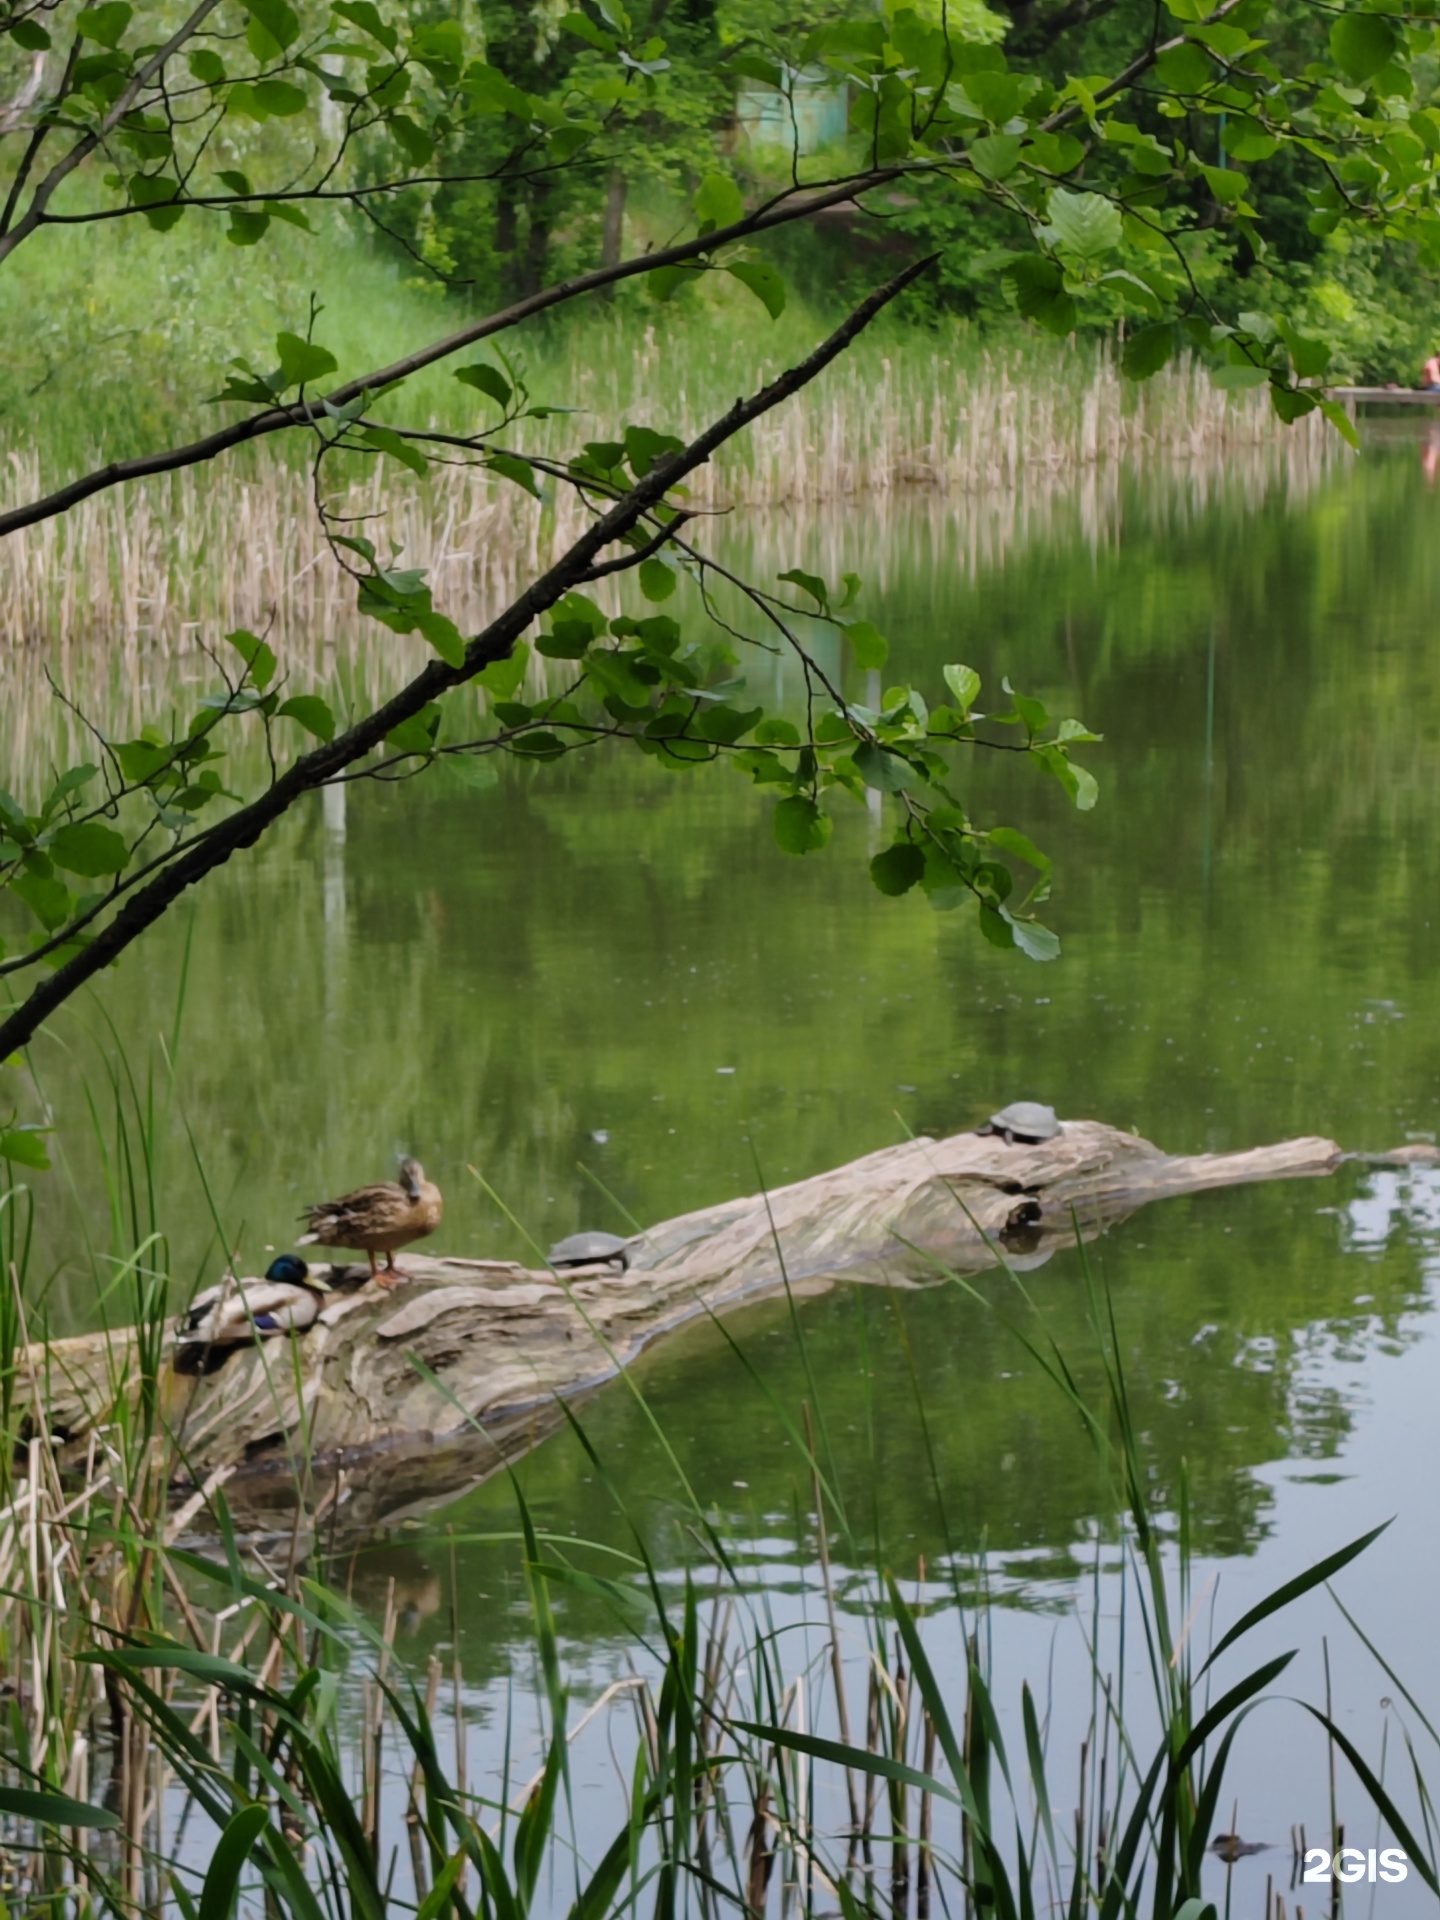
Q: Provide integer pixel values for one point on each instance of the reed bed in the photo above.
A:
(239, 543)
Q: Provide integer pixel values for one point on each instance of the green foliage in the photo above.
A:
(504, 165)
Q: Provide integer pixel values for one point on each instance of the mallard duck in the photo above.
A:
(287, 1300)
(379, 1219)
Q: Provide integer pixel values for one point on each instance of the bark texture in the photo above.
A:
(469, 1362)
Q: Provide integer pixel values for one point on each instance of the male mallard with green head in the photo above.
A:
(379, 1219)
(287, 1300)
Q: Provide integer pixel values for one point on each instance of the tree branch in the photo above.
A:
(317, 768)
(87, 143)
(278, 419)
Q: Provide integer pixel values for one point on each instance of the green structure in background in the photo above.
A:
(808, 113)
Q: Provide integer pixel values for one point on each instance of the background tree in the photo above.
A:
(1165, 187)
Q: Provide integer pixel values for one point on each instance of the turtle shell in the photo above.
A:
(589, 1250)
(1025, 1120)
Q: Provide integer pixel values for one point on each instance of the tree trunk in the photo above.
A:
(612, 237)
(480, 1352)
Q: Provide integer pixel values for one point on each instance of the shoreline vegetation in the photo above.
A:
(201, 1721)
(238, 544)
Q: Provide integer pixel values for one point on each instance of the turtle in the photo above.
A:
(590, 1250)
(1023, 1123)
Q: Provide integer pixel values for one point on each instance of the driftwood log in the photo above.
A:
(412, 1395)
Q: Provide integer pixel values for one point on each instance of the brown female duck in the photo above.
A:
(379, 1219)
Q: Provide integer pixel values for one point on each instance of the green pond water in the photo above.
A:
(601, 966)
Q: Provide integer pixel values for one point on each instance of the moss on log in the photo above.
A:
(468, 1362)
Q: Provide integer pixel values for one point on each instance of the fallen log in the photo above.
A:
(469, 1362)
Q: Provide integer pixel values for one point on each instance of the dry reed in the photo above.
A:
(238, 544)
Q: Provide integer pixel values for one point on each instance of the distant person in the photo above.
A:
(1430, 375)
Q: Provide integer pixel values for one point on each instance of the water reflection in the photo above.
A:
(603, 986)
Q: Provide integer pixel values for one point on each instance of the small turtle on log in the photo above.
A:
(1023, 1123)
(590, 1250)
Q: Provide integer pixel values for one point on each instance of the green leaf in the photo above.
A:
(1033, 940)
(1310, 358)
(30, 35)
(417, 734)
(1239, 379)
(1226, 184)
(763, 281)
(1147, 351)
(1247, 140)
(964, 684)
(868, 645)
(812, 584)
(503, 677)
(444, 636)
(1292, 403)
(541, 745)
(995, 154)
(662, 281)
(280, 98)
(246, 226)
(800, 826)
(486, 379)
(89, 848)
(1335, 413)
(106, 25)
(365, 15)
(1037, 287)
(585, 28)
(413, 140)
(227, 1862)
(996, 928)
(25, 1147)
(725, 725)
(1184, 69)
(718, 203)
(257, 655)
(886, 772)
(1010, 840)
(861, 1759)
(657, 580)
(898, 868)
(1360, 44)
(279, 20)
(313, 713)
(141, 760)
(385, 440)
(301, 360)
(510, 467)
(1085, 223)
(644, 446)
(54, 1809)
(48, 900)
(1291, 1590)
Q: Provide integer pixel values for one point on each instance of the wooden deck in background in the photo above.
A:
(1354, 398)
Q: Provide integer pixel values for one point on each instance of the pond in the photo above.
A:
(604, 989)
